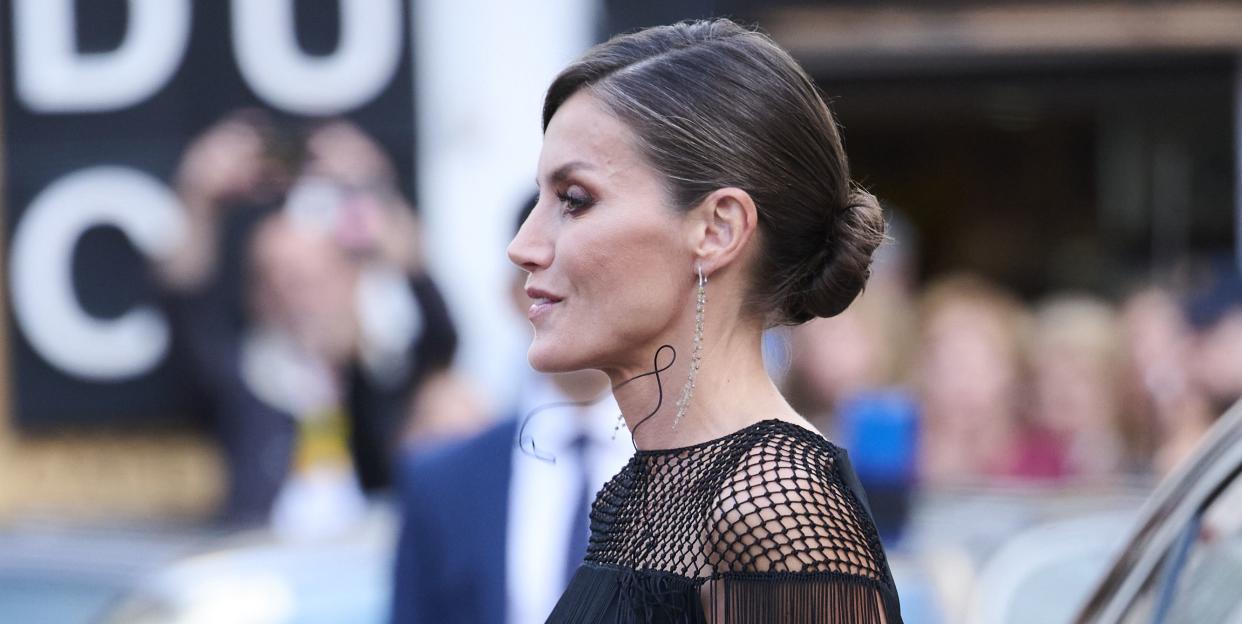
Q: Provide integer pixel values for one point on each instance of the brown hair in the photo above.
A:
(715, 105)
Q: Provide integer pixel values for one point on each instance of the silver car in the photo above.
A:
(1183, 563)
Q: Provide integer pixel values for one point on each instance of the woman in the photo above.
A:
(692, 192)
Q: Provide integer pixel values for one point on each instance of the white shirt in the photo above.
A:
(543, 494)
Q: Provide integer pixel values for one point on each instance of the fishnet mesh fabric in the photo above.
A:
(767, 499)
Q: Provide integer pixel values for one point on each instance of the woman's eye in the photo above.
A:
(575, 199)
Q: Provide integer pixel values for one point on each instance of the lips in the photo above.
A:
(543, 302)
(538, 294)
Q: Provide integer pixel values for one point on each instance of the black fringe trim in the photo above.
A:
(605, 593)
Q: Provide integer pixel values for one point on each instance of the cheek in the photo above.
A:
(623, 296)
(637, 272)
(631, 284)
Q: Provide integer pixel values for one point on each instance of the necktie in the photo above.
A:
(580, 528)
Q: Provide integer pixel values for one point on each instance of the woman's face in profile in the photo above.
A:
(608, 258)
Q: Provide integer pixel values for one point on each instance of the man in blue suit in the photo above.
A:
(493, 528)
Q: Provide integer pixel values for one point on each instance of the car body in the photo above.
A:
(1183, 560)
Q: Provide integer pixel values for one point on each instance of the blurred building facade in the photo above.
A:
(1046, 145)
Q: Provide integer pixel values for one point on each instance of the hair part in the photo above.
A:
(715, 105)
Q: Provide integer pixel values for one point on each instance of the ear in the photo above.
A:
(722, 226)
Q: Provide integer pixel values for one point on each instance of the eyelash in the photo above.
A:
(575, 204)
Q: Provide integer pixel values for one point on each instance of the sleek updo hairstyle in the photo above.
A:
(715, 105)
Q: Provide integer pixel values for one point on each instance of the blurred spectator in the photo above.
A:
(864, 348)
(1159, 412)
(1183, 365)
(968, 373)
(842, 377)
(405, 338)
(324, 303)
(1195, 375)
(1075, 361)
(847, 375)
(494, 525)
(1215, 312)
(834, 359)
(294, 356)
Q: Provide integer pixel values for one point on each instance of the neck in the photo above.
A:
(732, 390)
(585, 388)
(581, 386)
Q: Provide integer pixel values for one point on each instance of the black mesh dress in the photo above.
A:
(766, 524)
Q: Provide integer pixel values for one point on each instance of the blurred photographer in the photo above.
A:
(297, 290)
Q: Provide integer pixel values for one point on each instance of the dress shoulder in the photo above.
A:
(761, 525)
(788, 507)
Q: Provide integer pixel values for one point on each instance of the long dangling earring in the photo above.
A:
(696, 349)
(620, 421)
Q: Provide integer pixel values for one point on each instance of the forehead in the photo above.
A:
(584, 130)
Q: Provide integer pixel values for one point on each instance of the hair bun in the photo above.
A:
(837, 275)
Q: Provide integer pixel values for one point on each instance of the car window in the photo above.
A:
(1199, 578)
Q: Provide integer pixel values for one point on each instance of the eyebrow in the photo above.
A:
(564, 170)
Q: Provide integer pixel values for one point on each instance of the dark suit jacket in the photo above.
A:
(451, 554)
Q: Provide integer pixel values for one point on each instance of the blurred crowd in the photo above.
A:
(977, 385)
(323, 350)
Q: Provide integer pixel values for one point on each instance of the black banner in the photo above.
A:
(100, 99)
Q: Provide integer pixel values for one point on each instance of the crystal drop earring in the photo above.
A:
(696, 348)
(620, 421)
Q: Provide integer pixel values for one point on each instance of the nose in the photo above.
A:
(531, 247)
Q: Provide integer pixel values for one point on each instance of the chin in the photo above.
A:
(547, 357)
